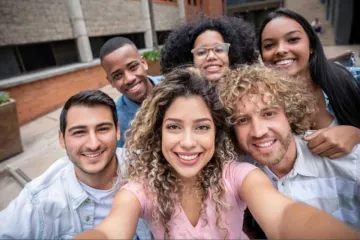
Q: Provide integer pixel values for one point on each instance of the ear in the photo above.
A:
(61, 140)
(144, 63)
(118, 131)
(311, 51)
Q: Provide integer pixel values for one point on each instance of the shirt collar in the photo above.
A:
(134, 105)
(304, 163)
(76, 193)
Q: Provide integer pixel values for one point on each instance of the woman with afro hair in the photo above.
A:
(211, 45)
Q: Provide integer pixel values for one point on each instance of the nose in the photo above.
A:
(282, 49)
(93, 142)
(129, 77)
(258, 129)
(188, 141)
(211, 55)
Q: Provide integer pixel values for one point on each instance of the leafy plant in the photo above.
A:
(4, 97)
(152, 55)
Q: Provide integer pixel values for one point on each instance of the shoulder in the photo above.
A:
(235, 172)
(155, 79)
(52, 176)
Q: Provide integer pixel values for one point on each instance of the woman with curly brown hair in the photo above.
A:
(212, 45)
(184, 181)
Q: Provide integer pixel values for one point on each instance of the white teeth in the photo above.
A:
(134, 87)
(266, 144)
(188, 157)
(212, 67)
(92, 155)
(284, 62)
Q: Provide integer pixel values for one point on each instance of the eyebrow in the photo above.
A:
(289, 33)
(115, 72)
(81, 127)
(179, 120)
(261, 110)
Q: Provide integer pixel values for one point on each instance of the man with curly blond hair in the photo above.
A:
(270, 113)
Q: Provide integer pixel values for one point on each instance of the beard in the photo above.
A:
(274, 157)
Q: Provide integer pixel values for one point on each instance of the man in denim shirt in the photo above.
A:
(126, 71)
(76, 193)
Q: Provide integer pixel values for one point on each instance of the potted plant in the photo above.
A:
(10, 141)
(153, 60)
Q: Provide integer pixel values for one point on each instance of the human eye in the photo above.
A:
(269, 114)
(200, 52)
(134, 66)
(116, 76)
(219, 48)
(203, 127)
(104, 129)
(267, 46)
(293, 39)
(78, 133)
(242, 120)
(172, 127)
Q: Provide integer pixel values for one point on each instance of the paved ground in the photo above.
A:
(41, 147)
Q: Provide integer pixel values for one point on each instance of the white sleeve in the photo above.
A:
(22, 219)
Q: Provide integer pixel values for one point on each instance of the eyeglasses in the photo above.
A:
(219, 49)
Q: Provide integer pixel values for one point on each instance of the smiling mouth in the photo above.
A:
(134, 88)
(188, 157)
(265, 144)
(213, 68)
(285, 62)
(93, 155)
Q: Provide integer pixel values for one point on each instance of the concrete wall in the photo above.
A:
(167, 16)
(112, 17)
(38, 98)
(33, 21)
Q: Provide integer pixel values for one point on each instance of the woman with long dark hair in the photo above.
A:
(287, 40)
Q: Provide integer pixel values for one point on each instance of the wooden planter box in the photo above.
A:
(154, 67)
(10, 141)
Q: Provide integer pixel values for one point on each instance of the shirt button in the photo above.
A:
(87, 218)
(283, 183)
(274, 179)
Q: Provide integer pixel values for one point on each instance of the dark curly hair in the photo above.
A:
(236, 31)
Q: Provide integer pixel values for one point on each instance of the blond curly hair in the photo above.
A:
(146, 163)
(282, 90)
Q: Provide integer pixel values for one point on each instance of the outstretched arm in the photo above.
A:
(121, 222)
(281, 217)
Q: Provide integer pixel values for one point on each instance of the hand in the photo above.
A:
(333, 142)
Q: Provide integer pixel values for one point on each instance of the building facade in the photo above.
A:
(49, 49)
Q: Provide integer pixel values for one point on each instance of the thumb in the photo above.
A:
(309, 137)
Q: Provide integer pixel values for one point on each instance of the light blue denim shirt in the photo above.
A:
(126, 109)
(54, 206)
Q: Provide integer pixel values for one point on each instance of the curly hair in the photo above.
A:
(281, 90)
(236, 31)
(145, 161)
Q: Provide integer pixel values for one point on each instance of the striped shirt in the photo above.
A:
(330, 185)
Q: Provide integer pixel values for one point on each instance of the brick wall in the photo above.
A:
(38, 98)
(213, 8)
(30, 21)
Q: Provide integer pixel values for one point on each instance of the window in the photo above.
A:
(30, 57)
(161, 36)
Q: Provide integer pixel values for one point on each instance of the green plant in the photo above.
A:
(4, 97)
(152, 55)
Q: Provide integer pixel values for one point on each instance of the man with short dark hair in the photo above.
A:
(75, 193)
(126, 71)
